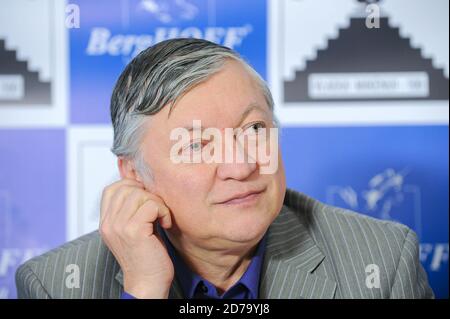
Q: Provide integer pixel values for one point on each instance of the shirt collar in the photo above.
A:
(189, 280)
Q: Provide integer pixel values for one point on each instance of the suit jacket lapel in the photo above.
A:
(290, 260)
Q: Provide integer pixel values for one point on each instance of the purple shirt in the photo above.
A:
(196, 287)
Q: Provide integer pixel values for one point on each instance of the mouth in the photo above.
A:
(248, 198)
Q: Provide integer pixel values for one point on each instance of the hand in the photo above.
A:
(129, 214)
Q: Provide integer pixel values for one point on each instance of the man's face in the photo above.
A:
(198, 194)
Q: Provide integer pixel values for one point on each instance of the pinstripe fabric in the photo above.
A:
(313, 251)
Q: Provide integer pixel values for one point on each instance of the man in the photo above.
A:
(177, 227)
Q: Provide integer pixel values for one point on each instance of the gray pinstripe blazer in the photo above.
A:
(313, 251)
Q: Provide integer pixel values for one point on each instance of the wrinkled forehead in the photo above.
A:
(224, 97)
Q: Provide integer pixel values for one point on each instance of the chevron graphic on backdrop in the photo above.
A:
(19, 85)
(378, 60)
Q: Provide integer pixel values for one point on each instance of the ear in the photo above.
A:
(127, 169)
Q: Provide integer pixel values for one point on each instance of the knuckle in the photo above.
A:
(136, 192)
(152, 209)
(131, 231)
(122, 189)
(117, 229)
(130, 192)
(106, 192)
(127, 231)
(105, 230)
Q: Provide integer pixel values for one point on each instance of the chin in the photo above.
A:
(246, 226)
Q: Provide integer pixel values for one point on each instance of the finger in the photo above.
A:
(143, 201)
(111, 189)
(152, 211)
(117, 201)
(164, 213)
(137, 231)
(110, 192)
(125, 204)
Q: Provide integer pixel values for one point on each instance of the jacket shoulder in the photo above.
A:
(344, 222)
(82, 268)
(354, 244)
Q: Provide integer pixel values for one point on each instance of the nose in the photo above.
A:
(237, 164)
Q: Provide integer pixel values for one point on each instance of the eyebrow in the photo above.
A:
(250, 108)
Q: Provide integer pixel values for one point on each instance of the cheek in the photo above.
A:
(185, 192)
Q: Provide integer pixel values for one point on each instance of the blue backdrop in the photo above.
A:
(395, 170)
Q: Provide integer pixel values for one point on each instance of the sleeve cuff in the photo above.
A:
(126, 296)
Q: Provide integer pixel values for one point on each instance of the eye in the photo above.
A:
(254, 128)
(194, 147)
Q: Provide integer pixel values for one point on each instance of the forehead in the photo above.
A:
(218, 100)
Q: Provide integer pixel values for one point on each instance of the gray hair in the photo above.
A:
(159, 76)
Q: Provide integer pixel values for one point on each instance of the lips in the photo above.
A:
(242, 197)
